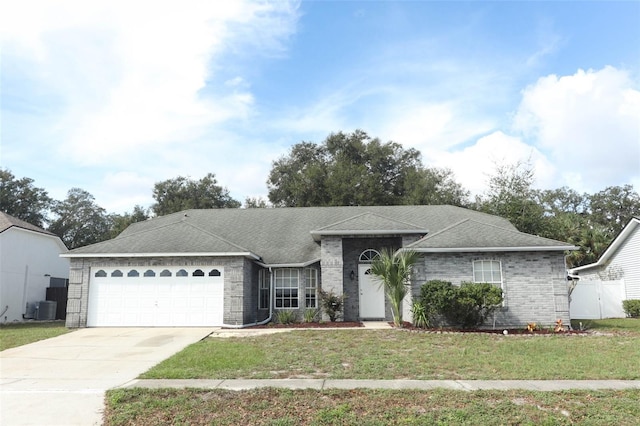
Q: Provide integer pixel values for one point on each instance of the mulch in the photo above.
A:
(337, 324)
(407, 326)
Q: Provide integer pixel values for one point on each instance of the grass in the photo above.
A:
(631, 325)
(369, 407)
(393, 354)
(18, 334)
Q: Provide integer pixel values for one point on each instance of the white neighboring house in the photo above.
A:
(615, 277)
(29, 259)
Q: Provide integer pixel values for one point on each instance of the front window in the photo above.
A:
(487, 271)
(287, 284)
(311, 288)
(263, 289)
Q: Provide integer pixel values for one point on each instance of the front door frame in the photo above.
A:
(371, 294)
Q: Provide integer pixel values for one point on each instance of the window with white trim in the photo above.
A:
(286, 282)
(487, 271)
(311, 288)
(263, 289)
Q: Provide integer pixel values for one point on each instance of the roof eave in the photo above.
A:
(491, 249)
(317, 234)
(288, 265)
(180, 254)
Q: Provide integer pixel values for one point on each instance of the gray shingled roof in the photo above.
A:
(277, 235)
(472, 234)
(7, 221)
(365, 222)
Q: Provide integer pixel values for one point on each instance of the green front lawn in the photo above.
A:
(369, 407)
(631, 325)
(18, 334)
(394, 354)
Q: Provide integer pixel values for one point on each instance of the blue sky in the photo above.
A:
(114, 96)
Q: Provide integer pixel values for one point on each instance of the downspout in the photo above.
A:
(263, 322)
(24, 289)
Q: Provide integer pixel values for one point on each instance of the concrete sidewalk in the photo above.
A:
(323, 384)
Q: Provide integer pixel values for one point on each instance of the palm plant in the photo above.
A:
(393, 269)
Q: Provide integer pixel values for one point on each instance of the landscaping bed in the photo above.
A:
(336, 324)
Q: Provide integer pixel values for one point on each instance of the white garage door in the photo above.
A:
(156, 297)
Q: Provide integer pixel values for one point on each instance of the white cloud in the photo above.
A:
(475, 164)
(131, 74)
(432, 126)
(587, 124)
(118, 192)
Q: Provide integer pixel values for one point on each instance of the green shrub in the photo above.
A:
(331, 304)
(631, 307)
(286, 317)
(310, 315)
(466, 306)
(419, 314)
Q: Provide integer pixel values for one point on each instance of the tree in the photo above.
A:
(435, 186)
(394, 269)
(613, 207)
(255, 203)
(80, 221)
(181, 193)
(355, 169)
(21, 199)
(511, 196)
(120, 222)
(299, 180)
(592, 241)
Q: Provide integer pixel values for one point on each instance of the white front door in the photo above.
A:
(371, 294)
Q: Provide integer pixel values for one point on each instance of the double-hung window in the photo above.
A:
(287, 283)
(489, 271)
(311, 288)
(263, 289)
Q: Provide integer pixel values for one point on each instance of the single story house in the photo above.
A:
(235, 267)
(29, 263)
(603, 285)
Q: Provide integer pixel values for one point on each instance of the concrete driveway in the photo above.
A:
(61, 381)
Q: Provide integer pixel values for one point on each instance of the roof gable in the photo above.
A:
(469, 235)
(7, 221)
(369, 223)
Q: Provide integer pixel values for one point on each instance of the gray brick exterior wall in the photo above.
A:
(534, 283)
(331, 265)
(237, 280)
